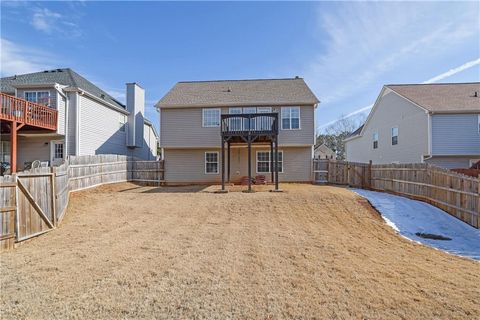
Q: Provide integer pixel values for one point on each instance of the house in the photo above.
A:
(434, 123)
(323, 152)
(202, 122)
(51, 114)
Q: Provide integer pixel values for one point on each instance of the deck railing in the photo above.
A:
(254, 123)
(29, 113)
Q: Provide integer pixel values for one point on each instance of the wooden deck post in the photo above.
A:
(276, 163)
(13, 147)
(223, 165)
(249, 162)
(228, 167)
(271, 162)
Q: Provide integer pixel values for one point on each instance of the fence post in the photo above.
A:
(369, 174)
(52, 191)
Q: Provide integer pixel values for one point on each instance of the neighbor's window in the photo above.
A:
(121, 123)
(211, 117)
(58, 151)
(249, 125)
(235, 123)
(394, 136)
(264, 123)
(40, 97)
(375, 140)
(211, 162)
(263, 161)
(290, 118)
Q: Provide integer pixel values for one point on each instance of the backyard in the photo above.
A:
(125, 251)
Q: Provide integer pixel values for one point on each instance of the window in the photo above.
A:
(235, 123)
(58, 151)
(121, 123)
(479, 123)
(264, 123)
(394, 136)
(211, 118)
(211, 162)
(246, 124)
(290, 118)
(263, 161)
(40, 97)
(375, 140)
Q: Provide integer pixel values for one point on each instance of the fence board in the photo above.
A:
(452, 192)
(43, 193)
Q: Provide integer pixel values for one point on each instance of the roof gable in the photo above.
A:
(441, 97)
(66, 77)
(259, 92)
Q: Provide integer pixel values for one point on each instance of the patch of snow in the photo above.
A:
(409, 217)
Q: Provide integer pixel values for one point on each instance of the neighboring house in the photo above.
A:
(324, 152)
(191, 114)
(434, 123)
(86, 119)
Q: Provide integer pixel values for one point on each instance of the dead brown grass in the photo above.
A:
(311, 252)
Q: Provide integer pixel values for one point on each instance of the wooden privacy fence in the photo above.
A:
(452, 192)
(34, 202)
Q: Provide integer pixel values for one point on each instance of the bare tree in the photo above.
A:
(334, 135)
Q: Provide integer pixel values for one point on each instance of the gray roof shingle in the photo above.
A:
(260, 92)
(66, 77)
(442, 97)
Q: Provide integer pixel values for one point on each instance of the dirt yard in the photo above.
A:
(131, 252)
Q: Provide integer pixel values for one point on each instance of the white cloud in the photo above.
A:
(368, 41)
(50, 22)
(445, 75)
(45, 20)
(454, 71)
(17, 59)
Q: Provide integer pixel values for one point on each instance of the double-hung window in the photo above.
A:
(375, 140)
(40, 97)
(211, 117)
(264, 162)
(235, 123)
(394, 136)
(290, 118)
(249, 125)
(211, 162)
(264, 123)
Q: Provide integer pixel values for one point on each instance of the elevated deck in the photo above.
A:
(24, 112)
(256, 127)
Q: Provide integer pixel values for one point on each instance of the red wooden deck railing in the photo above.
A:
(29, 113)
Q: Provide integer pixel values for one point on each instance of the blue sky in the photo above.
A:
(345, 51)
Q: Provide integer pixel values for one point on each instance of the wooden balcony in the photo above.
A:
(27, 113)
(242, 125)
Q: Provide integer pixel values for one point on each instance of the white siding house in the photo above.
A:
(89, 120)
(434, 123)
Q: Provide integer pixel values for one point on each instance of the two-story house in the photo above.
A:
(198, 118)
(434, 123)
(48, 115)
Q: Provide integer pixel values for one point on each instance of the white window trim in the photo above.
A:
(391, 138)
(269, 152)
(299, 118)
(52, 149)
(36, 95)
(373, 140)
(203, 117)
(205, 162)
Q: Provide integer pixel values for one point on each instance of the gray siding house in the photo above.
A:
(434, 123)
(90, 121)
(190, 131)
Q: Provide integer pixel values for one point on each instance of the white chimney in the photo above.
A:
(136, 107)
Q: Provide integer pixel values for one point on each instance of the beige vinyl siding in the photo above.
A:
(182, 127)
(99, 129)
(188, 165)
(392, 111)
(32, 148)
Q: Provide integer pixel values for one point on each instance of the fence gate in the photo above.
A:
(320, 171)
(35, 204)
